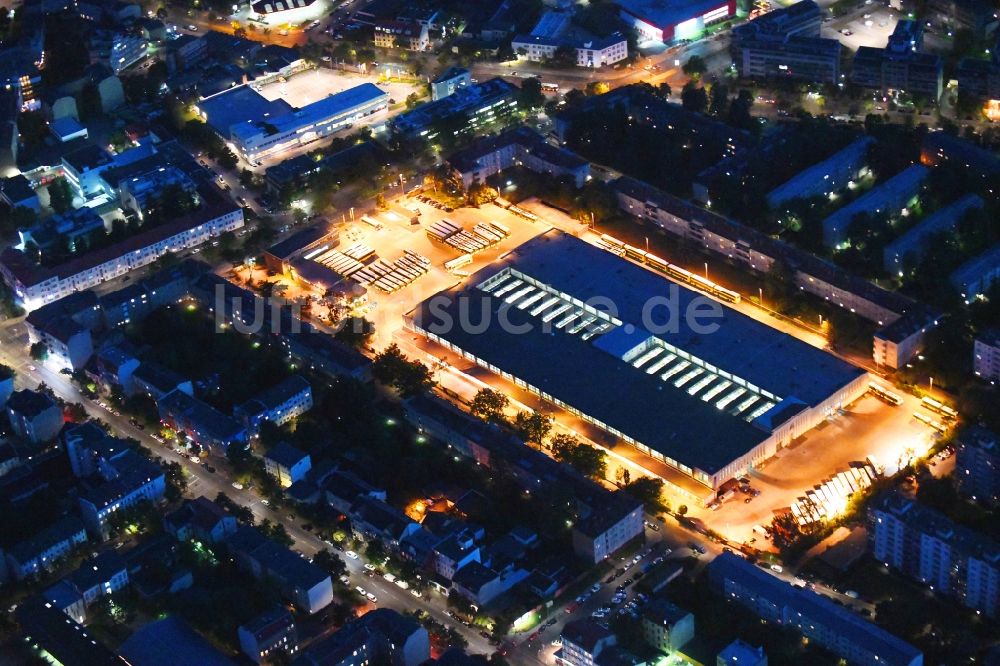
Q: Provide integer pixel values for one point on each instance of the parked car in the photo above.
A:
(351, 554)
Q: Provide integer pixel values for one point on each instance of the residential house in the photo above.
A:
(34, 416)
(269, 633)
(200, 519)
(287, 464)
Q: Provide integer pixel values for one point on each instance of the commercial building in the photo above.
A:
(671, 21)
(665, 626)
(986, 355)
(889, 197)
(519, 147)
(838, 629)
(901, 321)
(812, 59)
(448, 81)
(802, 19)
(35, 285)
(975, 277)
(552, 32)
(482, 104)
(927, 546)
(722, 402)
(40, 552)
(287, 464)
(34, 416)
(908, 250)
(977, 465)
(826, 177)
(408, 35)
(608, 528)
(300, 581)
(271, 632)
(259, 128)
(900, 66)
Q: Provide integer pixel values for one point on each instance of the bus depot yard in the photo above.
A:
(753, 396)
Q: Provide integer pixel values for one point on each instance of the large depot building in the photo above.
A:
(708, 405)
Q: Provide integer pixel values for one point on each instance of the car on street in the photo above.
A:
(351, 554)
(372, 598)
(369, 566)
(237, 485)
(595, 588)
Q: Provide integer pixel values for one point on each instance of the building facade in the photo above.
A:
(925, 545)
(986, 355)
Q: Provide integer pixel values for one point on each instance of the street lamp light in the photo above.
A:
(760, 296)
(706, 270)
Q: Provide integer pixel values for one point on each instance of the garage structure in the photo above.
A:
(570, 322)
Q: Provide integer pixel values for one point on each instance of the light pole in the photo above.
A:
(647, 244)
(706, 270)
(760, 296)
(932, 385)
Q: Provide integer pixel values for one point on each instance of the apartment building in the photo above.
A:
(793, 57)
(608, 527)
(34, 416)
(200, 421)
(519, 147)
(279, 404)
(287, 464)
(977, 465)
(35, 285)
(40, 552)
(270, 632)
(408, 35)
(819, 620)
(986, 355)
(900, 66)
(125, 480)
(925, 545)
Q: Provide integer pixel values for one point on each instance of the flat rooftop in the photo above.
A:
(240, 105)
(715, 395)
(666, 13)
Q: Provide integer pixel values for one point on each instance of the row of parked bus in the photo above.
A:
(623, 249)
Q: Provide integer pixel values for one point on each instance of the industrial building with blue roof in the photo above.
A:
(722, 400)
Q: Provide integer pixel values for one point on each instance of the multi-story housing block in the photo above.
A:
(926, 545)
